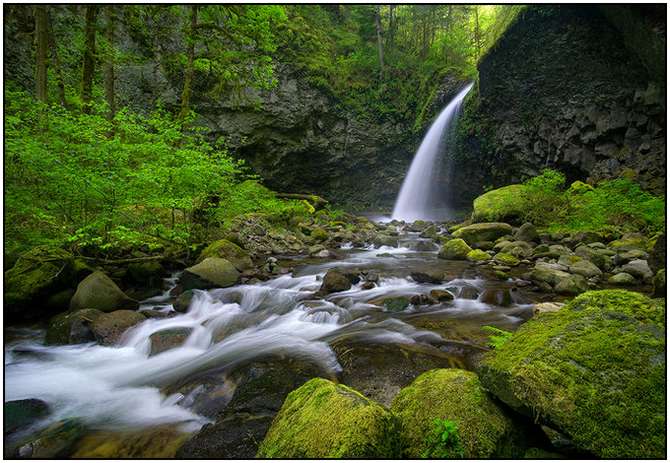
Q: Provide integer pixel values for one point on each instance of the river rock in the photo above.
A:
(454, 395)
(20, 414)
(168, 339)
(183, 301)
(422, 299)
(544, 307)
(585, 269)
(385, 240)
(455, 249)
(624, 257)
(526, 232)
(639, 269)
(155, 442)
(594, 370)
(98, 291)
(574, 284)
(519, 249)
(506, 259)
(392, 303)
(602, 261)
(483, 232)
(629, 242)
(109, 327)
(334, 281)
(477, 255)
(56, 441)
(427, 277)
(622, 279)
(442, 295)
(500, 297)
(229, 251)
(355, 426)
(72, 327)
(212, 272)
(558, 279)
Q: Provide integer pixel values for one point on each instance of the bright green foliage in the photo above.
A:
(443, 441)
(445, 413)
(151, 183)
(612, 204)
(497, 337)
(595, 370)
(322, 419)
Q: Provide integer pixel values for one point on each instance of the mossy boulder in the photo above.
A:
(161, 442)
(628, 243)
(19, 414)
(56, 441)
(72, 327)
(622, 279)
(38, 273)
(526, 232)
(457, 396)
(212, 272)
(322, 419)
(477, 255)
(455, 249)
(229, 251)
(506, 259)
(594, 370)
(393, 303)
(479, 232)
(319, 234)
(506, 203)
(98, 291)
(109, 327)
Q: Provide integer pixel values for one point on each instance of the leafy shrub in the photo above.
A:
(443, 441)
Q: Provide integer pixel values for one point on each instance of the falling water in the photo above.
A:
(419, 197)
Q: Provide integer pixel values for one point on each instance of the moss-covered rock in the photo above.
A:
(322, 419)
(334, 281)
(56, 441)
(212, 272)
(147, 274)
(477, 255)
(660, 283)
(393, 303)
(479, 232)
(162, 442)
(229, 251)
(72, 327)
(98, 291)
(455, 249)
(20, 414)
(506, 259)
(319, 234)
(629, 243)
(506, 203)
(595, 370)
(457, 396)
(36, 274)
(622, 279)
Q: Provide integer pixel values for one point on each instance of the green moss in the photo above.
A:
(457, 396)
(579, 188)
(595, 369)
(322, 419)
(477, 255)
(319, 234)
(506, 203)
(506, 259)
(229, 251)
(480, 232)
(455, 249)
(626, 244)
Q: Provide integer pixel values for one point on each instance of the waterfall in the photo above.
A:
(419, 197)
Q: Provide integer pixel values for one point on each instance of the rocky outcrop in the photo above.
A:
(561, 89)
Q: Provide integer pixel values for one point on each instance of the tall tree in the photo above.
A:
(108, 67)
(89, 58)
(42, 42)
(188, 73)
(58, 71)
(380, 46)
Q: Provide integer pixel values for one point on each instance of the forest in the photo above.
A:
(334, 231)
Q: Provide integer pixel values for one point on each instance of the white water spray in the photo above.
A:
(419, 198)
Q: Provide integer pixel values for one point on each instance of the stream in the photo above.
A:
(342, 334)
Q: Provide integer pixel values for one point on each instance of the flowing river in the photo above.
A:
(128, 386)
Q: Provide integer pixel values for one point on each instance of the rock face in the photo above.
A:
(326, 420)
(457, 396)
(594, 370)
(212, 272)
(568, 87)
(98, 291)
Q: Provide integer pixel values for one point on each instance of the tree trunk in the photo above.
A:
(89, 58)
(380, 46)
(188, 73)
(60, 82)
(108, 69)
(42, 41)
